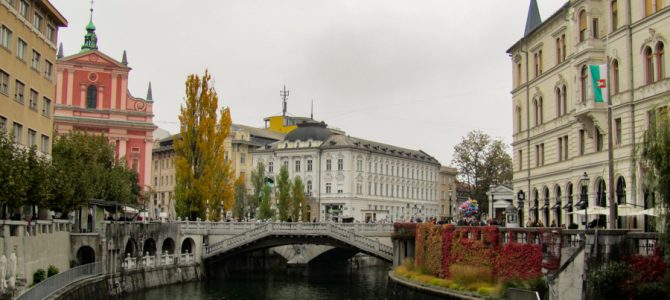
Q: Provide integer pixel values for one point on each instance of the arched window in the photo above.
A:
(91, 97)
(649, 65)
(557, 207)
(621, 191)
(615, 76)
(540, 110)
(615, 15)
(518, 118)
(559, 102)
(660, 60)
(535, 208)
(535, 111)
(584, 82)
(601, 193)
(564, 95)
(570, 202)
(582, 25)
(546, 207)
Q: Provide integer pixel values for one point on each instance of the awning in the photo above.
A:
(648, 212)
(544, 207)
(624, 210)
(568, 206)
(556, 206)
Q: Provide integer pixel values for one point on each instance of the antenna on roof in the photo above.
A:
(311, 114)
(284, 96)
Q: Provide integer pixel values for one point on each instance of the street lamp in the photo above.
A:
(520, 197)
(584, 197)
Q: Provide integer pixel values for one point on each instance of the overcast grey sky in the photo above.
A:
(416, 74)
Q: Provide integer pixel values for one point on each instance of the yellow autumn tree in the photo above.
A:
(204, 180)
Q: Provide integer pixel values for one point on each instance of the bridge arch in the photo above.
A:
(187, 245)
(149, 247)
(168, 246)
(131, 248)
(85, 255)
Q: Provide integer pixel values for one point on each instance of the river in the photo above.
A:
(321, 282)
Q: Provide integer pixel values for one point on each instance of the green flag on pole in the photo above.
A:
(599, 81)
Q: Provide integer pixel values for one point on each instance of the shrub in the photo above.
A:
(408, 264)
(467, 274)
(52, 270)
(39, 276)
(650, 291)
(606, 282)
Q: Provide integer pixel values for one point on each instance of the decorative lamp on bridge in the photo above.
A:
(584, 197)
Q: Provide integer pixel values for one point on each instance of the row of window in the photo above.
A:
(651, 6)
(165, 163)
(6, 38)
(164, 180)
(38, 21)
(17, 135)
(19, 94)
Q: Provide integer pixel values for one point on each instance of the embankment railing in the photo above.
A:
(61, 280)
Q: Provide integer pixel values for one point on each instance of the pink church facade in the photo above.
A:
(92, 96)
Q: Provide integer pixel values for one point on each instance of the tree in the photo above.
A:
(655, 153)
(265, 209)
(203, 174)
(298, 200)
(481, 162)
(240, 198)
(13, 183)
(257, 182)
(283, 193)
(38, 191)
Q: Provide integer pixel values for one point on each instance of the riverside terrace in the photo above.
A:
(562, 257)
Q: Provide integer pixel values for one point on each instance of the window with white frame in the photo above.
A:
(48, 69)
(45, 144)
(328, 187)
(5, 37)
(340, 164)
(3, 124)
(297, 166)
(18, 133)
(23, 8)
(51, 33)
(36, 60)
(37, 22)
(46, 107)
(19, 91)
(4, 83)
(21, 47)
(270, 167)
(32, 138)
(32, 103)
(328, 165)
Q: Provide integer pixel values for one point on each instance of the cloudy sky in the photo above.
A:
(413, 73)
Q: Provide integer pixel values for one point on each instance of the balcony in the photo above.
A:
(592, 114)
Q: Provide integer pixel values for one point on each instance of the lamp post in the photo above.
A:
(520, 197)
(584, 197)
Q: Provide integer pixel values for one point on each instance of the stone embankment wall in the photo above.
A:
(36, 246)
(112, 286)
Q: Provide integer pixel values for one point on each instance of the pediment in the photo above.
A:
(94, 57)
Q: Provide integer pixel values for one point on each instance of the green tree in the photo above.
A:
(240, 198)
(265, 209)
(257, 183)
(13, 183)
(283, 193)
(655, 153)
(482, 161)
(203, 174)
(298, 200)
(38, 191)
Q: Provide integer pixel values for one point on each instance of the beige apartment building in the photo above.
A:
(28, 35)
(446, 191)
(241, 140)
(560, 133)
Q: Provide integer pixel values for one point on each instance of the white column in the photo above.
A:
(122, 148)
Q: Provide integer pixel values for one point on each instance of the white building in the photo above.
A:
(348, 177)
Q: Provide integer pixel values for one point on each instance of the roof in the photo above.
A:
(533, 19)
(259, 132)
(58, 17)
(309, 130)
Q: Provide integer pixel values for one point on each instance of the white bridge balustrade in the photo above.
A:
(234, 228)
(349, 235)
(186, 258)
(167, 259)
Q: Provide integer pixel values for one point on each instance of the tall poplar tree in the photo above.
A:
(203, 175)
(257, 182)
(655, 153)
(298, 200)
(283, 193)
(240, 198)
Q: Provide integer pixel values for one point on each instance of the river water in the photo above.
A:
(321, 282)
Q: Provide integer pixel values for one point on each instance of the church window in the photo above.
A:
(91, 97)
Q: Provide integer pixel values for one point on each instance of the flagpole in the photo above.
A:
(610, 144)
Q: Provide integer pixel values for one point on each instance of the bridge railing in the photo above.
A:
(61, 280)
(233, 228)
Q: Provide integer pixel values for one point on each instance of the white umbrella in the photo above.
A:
(649, 212)
(128, 209)
(595, 210)
(625, 210)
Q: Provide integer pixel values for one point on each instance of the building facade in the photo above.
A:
(92, 96)
(28, 36)
(560, 132)
(347, 177)
(239, 144)
(446, 191)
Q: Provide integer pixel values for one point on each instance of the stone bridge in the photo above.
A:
(278, 234)
(136, 245)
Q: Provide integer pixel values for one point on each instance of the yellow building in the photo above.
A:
(561, 133)
(446, 189)
(28, 35)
